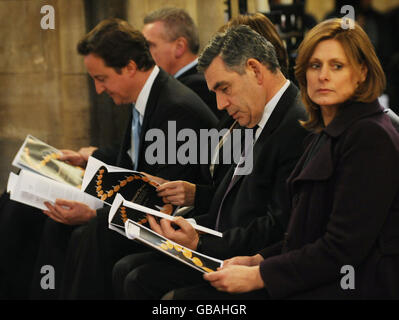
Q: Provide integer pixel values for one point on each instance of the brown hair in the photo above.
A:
(116, 42)
(261, 24)
(359, 51)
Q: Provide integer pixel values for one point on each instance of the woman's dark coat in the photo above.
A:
(345, 211)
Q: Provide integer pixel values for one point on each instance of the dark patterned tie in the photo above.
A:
(235, 176)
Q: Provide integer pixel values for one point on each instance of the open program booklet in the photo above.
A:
(43, 177)
(129, 219)
(105, 182)
(37, 156)
(34, 189)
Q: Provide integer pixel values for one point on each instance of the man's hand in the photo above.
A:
(69, 212)
(244, 261)
(72, 157)
(158, 180)
(236, 279)
(86, 152)
(179, 193)
(185, 235)
(78, 158)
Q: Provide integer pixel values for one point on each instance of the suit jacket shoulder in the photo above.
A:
(170, 105)
(196, 82)
(254, 211)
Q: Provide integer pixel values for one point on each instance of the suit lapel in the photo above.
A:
(285, 102)
(150, 107)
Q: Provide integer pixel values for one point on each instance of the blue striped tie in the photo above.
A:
(136, 130)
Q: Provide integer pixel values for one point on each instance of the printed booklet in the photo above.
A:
(43, 177)
(37, 156)
(105, 182)
(129, 219)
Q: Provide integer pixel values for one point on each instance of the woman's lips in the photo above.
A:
(324, 90)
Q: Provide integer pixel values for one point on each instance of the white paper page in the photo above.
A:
(91, 168)
(12, 181)
(24, 197)
(49, 190)
(18, 155)
(16, 163)
(163, 215)
(114, 208)
(39, 157)
(133, 231)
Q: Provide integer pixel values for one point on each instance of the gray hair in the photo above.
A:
(235, 46)
(178, 23)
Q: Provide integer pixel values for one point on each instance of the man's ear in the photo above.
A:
(254, 67)
(181, 46)
(131, 68)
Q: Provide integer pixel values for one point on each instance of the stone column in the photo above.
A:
(43, 84)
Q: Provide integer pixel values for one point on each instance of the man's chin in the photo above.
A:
(242, 122)
(120, 102)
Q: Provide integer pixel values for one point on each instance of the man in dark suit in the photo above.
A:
(118, 59)
(241, 67)
(174, 43)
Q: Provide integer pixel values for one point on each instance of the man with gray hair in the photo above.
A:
(174, 43)
(241, 67)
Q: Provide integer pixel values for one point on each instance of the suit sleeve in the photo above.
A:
(184, 121)
(108, 154)
(366, 178)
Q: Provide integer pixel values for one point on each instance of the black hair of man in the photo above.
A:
(116, 42)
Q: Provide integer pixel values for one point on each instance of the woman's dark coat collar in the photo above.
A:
(350, 112)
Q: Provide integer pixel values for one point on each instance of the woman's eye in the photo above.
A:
(337, 66)
(314, 65)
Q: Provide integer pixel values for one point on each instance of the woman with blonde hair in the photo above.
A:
(343, 237)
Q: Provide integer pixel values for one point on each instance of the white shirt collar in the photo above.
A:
(270, 106)
(142, 99)
(186, 67)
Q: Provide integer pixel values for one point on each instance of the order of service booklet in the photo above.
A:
(34, 189)
(43, 177)
(129, 219)
(37, 156)
(105, 182)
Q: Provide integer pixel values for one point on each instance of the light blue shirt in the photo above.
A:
(186, 67)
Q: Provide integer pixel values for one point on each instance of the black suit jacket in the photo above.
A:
(204, 193)
(252, 213)
(169, 100)
(196, 82)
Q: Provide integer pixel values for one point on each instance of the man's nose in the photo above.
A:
(222, 101)
(99, 87)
